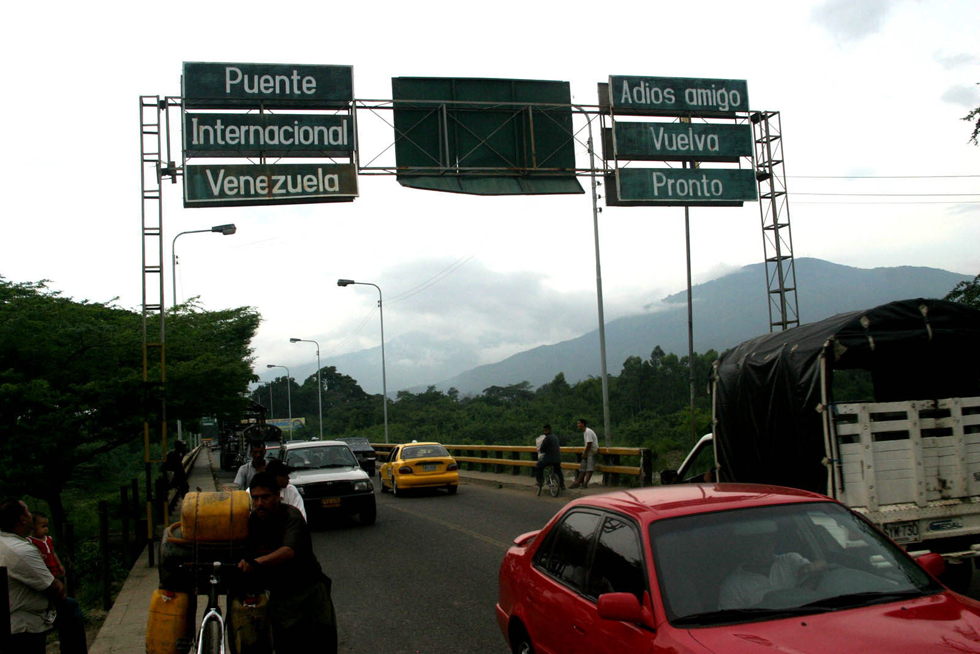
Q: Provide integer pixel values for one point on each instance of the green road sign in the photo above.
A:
(682, 142)
(225, 85)
(221, 185)
(270, 135)
(677, 96)
(684, 187)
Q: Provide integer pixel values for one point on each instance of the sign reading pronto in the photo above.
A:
(226, 85)
(682, 142)
(685, 186)
(677, 96)
(270, 135)
(221, 185)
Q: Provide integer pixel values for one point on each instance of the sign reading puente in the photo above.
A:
(686, 98)
(258, 134)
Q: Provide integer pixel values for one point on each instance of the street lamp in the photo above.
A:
(384, 381)
(289, 398)
(226, 230)
(319, 386)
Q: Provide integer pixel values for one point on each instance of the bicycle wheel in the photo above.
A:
(211, 637)
(554, 484)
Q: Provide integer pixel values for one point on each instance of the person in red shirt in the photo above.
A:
(39, 536)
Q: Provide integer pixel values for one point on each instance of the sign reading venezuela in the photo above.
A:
(225, 185)
(224, 85)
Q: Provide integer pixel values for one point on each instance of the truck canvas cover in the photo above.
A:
(768, 390)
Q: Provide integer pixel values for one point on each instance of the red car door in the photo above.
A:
(557, 612)
(616, 566)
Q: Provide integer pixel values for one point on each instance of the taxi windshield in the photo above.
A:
(422, 451)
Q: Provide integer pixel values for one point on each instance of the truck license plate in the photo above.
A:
(429, 468)
(903, 532)
(330, 502)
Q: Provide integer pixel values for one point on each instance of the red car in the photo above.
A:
(728, 569)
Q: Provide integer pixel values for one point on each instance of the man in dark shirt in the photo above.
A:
(549, 454)
(281, 560)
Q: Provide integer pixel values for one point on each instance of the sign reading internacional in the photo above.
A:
(270, 135)
(221, 185)
(677, 96)
(685, 186)
(273, 86)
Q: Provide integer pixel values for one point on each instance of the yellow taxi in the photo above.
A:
(419, 465)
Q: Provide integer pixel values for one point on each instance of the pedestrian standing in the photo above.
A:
(587, 466)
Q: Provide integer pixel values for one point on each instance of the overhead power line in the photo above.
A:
(881, 176)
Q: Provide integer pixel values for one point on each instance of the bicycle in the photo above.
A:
(552, 481)
(211, 637)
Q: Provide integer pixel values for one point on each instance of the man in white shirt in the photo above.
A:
(763, 571)
(287, 492)
(256, 464)
(587, 466)
(31, 586)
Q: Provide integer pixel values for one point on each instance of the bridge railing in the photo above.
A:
(620, 466)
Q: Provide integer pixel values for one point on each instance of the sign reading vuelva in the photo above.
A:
(227, 85)
(677, 96)
(222, 185)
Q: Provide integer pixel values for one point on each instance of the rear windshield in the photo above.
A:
(420, 451)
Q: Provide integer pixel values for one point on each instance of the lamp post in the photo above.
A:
(289, 398)
(384, 381)
(226, 230)
(319, 386)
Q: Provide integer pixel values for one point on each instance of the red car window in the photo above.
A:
(617, 566)
(566, 554)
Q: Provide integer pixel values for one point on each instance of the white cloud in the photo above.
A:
(853, 20)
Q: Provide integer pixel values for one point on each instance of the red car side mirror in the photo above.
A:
(620, 606)
(932, 563)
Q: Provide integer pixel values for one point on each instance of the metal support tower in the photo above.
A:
(777, 237)
(153, 292)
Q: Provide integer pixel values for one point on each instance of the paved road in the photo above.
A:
(423, 578)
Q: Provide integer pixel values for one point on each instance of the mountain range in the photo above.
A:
(727, 311)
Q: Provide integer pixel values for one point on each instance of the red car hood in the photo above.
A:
(940, 623)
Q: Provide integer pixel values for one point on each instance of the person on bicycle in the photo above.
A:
(549, 454)
(281, 559)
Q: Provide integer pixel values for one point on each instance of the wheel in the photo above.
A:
(554, 484)
(394, 488)
(521, 644)
(211, 637)
(369, 515)
(452, 489)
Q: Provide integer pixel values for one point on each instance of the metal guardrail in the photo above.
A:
(521, 459)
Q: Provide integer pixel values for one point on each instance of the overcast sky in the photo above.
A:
(866, 89)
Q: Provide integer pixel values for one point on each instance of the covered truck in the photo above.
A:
(908, 458)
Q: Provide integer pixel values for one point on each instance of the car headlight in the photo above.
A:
(363, 485)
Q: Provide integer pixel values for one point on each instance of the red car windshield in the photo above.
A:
(777, 561)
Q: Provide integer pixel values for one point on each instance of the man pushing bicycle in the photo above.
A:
(281, 560)
(549, 454)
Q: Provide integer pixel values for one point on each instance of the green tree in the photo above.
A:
(967, 293)
(974, 115)
(71, 384)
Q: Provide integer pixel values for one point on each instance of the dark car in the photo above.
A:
(366, 456)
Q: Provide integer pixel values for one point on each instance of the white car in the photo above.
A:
(329, 479)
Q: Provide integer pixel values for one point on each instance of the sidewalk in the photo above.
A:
(124, 629)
